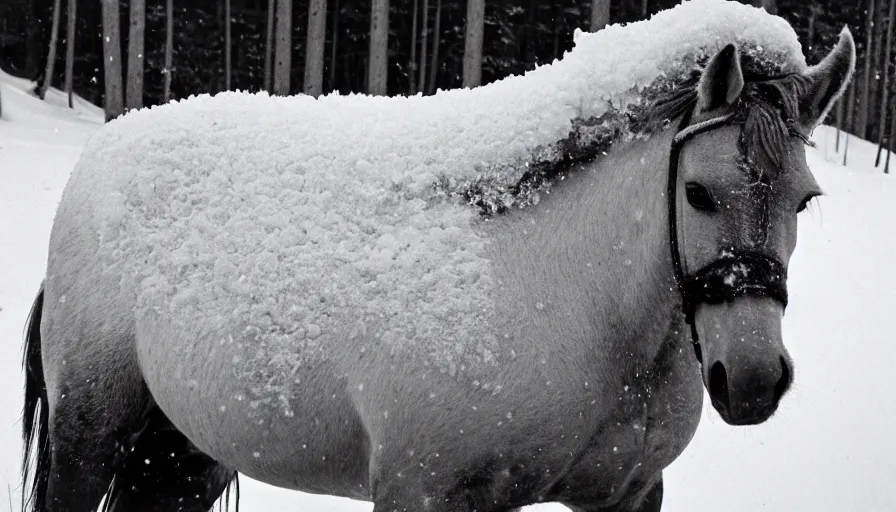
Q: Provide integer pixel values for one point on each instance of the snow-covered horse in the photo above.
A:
(176, 341)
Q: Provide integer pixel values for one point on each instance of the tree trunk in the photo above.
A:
(314, 49)
(412, 61)
(810, 37)
(114, 101)
(530, 36)
(884, 92)
(845, 147)
(283, 48)
(644, 9)
(366, 76)
(424, 28)
(557, 14)
(771, 6)
(33, 44)
(70, 51)
(472, 74)
(839, 123)
(436, 38)
(333, 46)
(850, 121)
(850, 116)
(600, 14)
(228, 69)
(864, 106)
(217, 84)
(51, 54)
(134, 98)
(169, 47)
(876, 48)
(269, 46)
(378, 66)
(892, 140)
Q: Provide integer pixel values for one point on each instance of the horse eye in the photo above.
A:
(699, 197)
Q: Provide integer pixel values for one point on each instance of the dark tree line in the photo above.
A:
(374, 46)
(517, 35)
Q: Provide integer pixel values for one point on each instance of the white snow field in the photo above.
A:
(831, 447)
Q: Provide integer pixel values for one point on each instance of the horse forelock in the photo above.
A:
(767, 110)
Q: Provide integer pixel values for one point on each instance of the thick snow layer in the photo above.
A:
(830, 447)
(304, 220)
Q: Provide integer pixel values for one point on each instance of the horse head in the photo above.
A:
(738, 179)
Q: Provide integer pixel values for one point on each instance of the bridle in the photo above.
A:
(733, 274)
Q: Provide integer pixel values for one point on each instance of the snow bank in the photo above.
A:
(305, 220)
(32, 118)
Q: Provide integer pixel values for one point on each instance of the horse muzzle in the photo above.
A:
(746, 368)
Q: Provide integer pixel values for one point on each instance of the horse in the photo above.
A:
(647, 274)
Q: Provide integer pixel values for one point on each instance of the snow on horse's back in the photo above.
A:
(456, 302)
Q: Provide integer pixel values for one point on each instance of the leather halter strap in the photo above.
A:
(736, 272)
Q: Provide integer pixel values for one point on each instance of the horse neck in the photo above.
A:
(597, 249)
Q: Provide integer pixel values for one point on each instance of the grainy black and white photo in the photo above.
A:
(447, 255)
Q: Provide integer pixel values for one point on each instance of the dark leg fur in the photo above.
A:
(652, 502)
(164, 472)
(91, 425)
(72, 461)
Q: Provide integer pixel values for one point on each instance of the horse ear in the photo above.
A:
(722, 80)
(827, 81)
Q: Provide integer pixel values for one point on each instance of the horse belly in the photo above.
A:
(303, 435)
(321, 448)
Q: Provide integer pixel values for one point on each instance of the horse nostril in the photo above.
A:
(784, 381)
(718, 384)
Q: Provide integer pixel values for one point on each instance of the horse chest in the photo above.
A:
(652, 424)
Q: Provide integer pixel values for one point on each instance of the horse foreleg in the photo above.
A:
(649, 501)
(653, 502)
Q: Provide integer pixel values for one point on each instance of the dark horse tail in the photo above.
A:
(36, 416)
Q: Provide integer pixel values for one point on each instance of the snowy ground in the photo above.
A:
(830, 448)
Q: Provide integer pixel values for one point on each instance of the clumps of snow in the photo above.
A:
(736, 274)
(301, 222)
(629, 67)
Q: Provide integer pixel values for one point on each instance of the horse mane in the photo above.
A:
(768, 111)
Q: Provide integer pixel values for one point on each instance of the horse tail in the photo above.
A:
(232, 485)
(36, 415)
